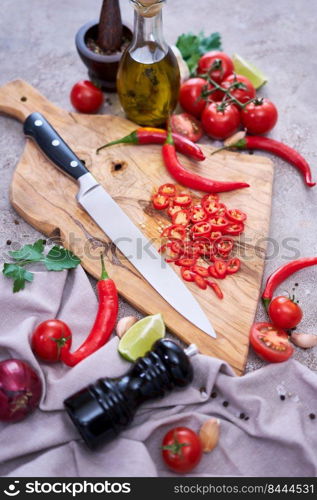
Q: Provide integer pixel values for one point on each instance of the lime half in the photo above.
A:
(243, 67)
(139, 339)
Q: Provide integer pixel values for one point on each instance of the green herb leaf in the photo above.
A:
(59, 258)
(33, 253)
(18, 274)
(192, 47)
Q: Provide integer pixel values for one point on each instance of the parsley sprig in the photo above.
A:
(192, 47)
(57, 259)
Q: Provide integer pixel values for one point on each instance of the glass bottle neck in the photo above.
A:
(148, 45)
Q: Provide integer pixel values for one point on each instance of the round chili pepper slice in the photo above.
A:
(198, 214)
(220, 268)
(216, 288)
(177, 247)
(200, 230)
(187, 274)
(183, 200)
(205, 248)
(236, 215)
(212, 271)
(104, 323)
(172, 210)
(215, 235)
(200, 270)
(234, 229)
(181, 217)
(191, 249)
(219, 223)
(210, 197)
(174, 232)
(211, 207)
(167, 190)
(233, 265)
(186, 262)
(224, 245)
(200, 282)
(222, 210)
(160, 201)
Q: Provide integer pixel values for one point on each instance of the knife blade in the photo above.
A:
(116, 224)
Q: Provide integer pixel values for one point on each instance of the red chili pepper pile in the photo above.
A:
(199, 238)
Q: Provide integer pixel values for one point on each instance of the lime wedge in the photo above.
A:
(243, 67)
(139, 339)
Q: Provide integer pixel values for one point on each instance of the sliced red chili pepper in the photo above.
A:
(200, 282)
(216, 288)
(220, 268)
(160, 201)
(172, 210)
(187, 274)
(200, 230)
(222, 210)
(177, 247)
(224, 245)
(198, 214)
(183, 200)
(191, 249)
(181, 217)
(234, 229)
(200, 270)
(236, 215)
(233, 265)
(210, 197)
(205, 248)
(175, 232)
(167, 190)
(215, 235)
(211, 207)
(186, 262)
(219, 223)
(212, 271)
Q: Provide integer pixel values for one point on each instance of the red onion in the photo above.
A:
(20, 390)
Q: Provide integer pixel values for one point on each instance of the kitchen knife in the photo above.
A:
(116, 224)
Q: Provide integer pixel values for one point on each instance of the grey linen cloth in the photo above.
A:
(262, 434)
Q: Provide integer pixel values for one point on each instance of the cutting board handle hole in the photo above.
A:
(23, 98)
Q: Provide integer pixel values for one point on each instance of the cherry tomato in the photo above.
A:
(181, 217)
(183, 200)
(234, 229)
(216, 288)
(181, 449)
(49, 338)
(160, 201)
(188, 126)
(233, 265)
(259, 117)
(86, 97)
(167, 190)
(187, 274)
(270, 343)
(200, 282)
(284, 312)
(236, 215)
(218, 64)
(241, 87)
(190, 96)
(218, 122)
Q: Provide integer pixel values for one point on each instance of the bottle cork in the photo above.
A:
(148, 8)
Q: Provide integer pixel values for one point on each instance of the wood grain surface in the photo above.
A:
(45, 198)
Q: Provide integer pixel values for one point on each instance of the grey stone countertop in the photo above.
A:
(37, 44)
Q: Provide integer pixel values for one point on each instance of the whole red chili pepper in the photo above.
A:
(282, 273)
(278, 149)
(148, 135)
(189, 179)
(104, 322)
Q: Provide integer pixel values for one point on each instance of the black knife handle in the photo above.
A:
(53, 146)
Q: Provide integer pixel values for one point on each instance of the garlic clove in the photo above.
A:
(209, 434)
(124, 324)
(304, 340)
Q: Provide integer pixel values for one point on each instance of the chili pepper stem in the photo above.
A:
(266, 302)
(240, 144)
(128, 139)
(104, 274)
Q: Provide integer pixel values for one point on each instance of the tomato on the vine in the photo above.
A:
(284, 312)
(242, 89)
(49, 338)
(86, 97)
(187, 125)
(220, 122)
(190, 96)
(218, 64)
(270, 342)
(181, 449)
(259, 116)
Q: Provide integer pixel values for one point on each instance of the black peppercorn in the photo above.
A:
(246, 418)
(282, 397)
(312, 416)
(242, 416)
(225, 404)
(213, 395)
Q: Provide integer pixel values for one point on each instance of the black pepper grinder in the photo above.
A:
(101, 410)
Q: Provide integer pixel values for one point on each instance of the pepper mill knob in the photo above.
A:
(105, 408)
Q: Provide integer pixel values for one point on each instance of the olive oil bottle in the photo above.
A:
(148, 78)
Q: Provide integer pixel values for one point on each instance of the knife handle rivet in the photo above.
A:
(55, 142)
(38, 123)
(74, 163)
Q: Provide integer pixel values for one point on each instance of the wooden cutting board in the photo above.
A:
(45, 198)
